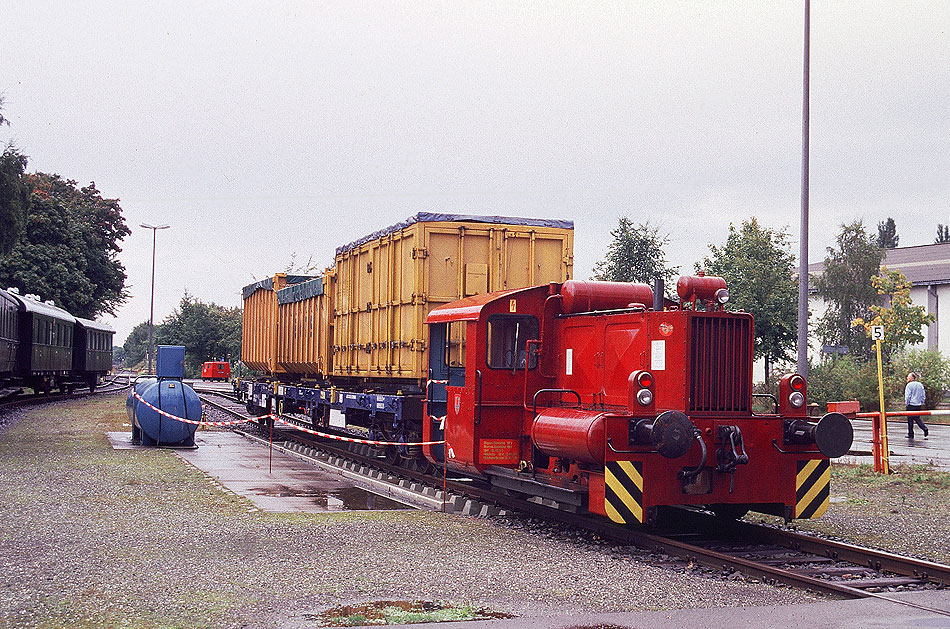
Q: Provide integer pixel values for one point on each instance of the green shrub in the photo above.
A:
(844, 378)
(933, 372)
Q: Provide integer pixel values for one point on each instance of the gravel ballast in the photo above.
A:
(95, 536)
(904, 513)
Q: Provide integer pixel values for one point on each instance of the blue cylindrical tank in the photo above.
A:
(131, 402)
(176, 398)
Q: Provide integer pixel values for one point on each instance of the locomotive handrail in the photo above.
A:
(770, 396)
(534, 401)
(478, 394)
(613, 449)
(775, 445)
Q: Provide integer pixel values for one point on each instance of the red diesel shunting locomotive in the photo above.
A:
(583, 394)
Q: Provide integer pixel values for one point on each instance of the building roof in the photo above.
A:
(923, 265)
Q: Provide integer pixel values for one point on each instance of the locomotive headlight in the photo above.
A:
(645, 379)
(796, 399)
(645, 397)
(797, 383)
(722, 295)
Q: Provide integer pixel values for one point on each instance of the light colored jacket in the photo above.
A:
(914, 393)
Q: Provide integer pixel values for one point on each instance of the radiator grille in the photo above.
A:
(720, 368)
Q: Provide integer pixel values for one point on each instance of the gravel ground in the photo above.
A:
(90, 536)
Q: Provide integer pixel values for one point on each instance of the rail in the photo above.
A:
(666, 542)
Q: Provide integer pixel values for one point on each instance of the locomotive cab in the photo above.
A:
(582, 394)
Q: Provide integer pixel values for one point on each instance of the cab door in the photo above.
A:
(446, 382)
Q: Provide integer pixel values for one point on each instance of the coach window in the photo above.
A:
(506, 341)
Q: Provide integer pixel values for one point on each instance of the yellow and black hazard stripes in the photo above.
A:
(812, 487)
(623, 493)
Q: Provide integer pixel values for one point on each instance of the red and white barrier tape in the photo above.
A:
(352, 440)
(292, 425)
(934, 412)
(188, 421)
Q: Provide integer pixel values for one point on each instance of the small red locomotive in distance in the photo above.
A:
(604, 397)
(216, 370)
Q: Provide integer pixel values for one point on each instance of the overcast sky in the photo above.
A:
(260, 130)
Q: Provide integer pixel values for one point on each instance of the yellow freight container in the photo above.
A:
(259, 330)
(388, 282)
(304, 327)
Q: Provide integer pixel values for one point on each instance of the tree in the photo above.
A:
(208, 332)
(118, 355)
(943, 233)
(136, 344)
(845, 286)
(635, 255)
(69, 250)
(14, 198)
(14, 193)
(902, 321)
(759, 270)
(887, 237)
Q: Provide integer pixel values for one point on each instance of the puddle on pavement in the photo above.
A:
(342, 499)
(399, 613)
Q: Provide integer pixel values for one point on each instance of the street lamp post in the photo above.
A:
(151, 317)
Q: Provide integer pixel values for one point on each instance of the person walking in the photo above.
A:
(914, 397)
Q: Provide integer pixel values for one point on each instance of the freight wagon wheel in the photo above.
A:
(389, 454)
(413, 458)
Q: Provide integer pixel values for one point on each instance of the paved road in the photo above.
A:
(854, 614)
(934, 450)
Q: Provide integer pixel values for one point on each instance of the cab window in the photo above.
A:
(506, 341)
(455, 344)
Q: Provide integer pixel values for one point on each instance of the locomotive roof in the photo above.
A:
(38, 307)
(431, 217)
(469, 308)
(94, 325)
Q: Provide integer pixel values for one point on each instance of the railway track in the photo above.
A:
(114, 385)
(772, 554)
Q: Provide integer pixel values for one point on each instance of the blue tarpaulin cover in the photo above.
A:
(299, 292)
(430, 217)
(268, 284)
